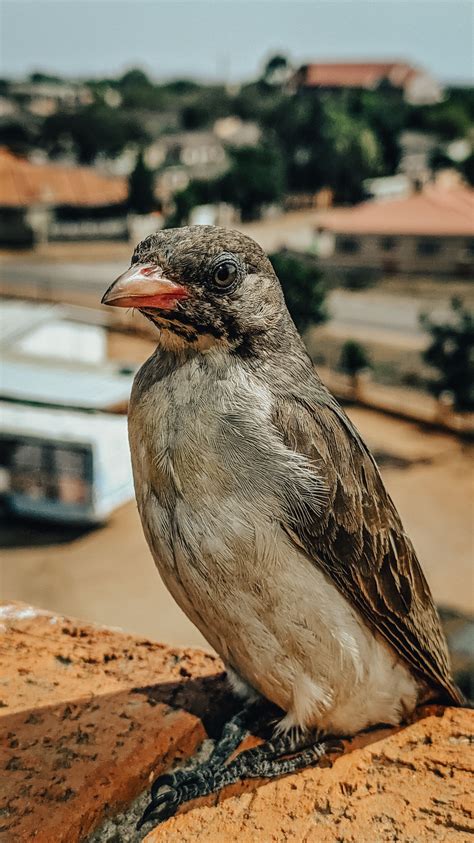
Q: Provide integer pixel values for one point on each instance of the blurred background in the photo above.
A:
(337, 134)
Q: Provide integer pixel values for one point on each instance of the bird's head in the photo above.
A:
(203, 286)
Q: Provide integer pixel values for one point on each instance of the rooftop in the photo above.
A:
(64, 385)
(23, 183)
(436, 211)
(357, 74)
(52, 355)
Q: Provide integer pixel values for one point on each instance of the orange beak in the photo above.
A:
(144, 285)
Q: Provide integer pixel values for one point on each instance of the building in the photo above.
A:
(45, 97)
(182, 156)
(55, 202)
(417, 85)
(428, 232)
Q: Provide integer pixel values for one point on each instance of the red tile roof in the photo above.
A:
(356, 74)
(437, 211)
(23, 183)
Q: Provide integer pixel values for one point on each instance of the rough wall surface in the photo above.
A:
(88, 715)
(414, 786)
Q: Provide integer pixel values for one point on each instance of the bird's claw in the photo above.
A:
(171, 790)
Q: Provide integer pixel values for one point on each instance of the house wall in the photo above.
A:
(406, 253)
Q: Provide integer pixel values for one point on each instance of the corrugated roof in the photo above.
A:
(357, 74)
(23, 183)
(434, 212)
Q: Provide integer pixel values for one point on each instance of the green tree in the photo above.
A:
(276, 70)
(450, 119)
(141, 198)
(324, 145)
(19, 137)
(197, 192)
(256, 177)
(303, 288)
(353, 359)
(91, 130)
(39, 77)
(451, 352)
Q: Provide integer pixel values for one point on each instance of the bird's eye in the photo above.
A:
(225, 274)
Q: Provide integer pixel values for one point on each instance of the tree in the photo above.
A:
(451, 352)
(138, 91)
(141, 197)
(19, 137)
(354, 358)
(324, 145)
(197, 192)
(467, 169)
(276, 70)
(91, 130)
(303, 288)
(39, 77)
(256, 177)
(449, 120)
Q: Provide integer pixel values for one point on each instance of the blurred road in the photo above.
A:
(367, 312)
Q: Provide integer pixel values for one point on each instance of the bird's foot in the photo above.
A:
(278, 757)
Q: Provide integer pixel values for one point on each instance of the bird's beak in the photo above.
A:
(144, 285)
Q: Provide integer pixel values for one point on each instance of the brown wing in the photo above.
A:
(358, 540)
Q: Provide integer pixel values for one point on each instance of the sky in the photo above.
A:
(229, 39)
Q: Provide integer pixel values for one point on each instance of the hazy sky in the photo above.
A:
(229, 38)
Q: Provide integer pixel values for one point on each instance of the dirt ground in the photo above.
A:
(106, 575)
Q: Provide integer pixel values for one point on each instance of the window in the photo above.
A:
(42, 470)
(388, 244)
(349, 245)
(426, 248)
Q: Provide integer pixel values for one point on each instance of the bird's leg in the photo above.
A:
(234, 732)
(276, 757)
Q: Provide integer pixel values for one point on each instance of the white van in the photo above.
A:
(63, 465)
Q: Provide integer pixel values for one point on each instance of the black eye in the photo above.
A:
(225, 274)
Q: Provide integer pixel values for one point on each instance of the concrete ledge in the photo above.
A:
(88, 715)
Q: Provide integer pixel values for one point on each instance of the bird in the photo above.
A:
(266, 515)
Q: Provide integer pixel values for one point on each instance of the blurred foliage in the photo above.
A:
(354, 358)
(449, 120)
(451, 352)
(324, 145)
(204, 106)
(360, 277)
(467, 169)
(277, 70)
(255, 178)
(44, 78)
(303, 287)
(141, 198)
(19, 137)
(89, 131)
(198, 192)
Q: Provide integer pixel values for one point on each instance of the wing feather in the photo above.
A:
(359, 540)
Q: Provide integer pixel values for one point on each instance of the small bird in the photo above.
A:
(266, 515)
